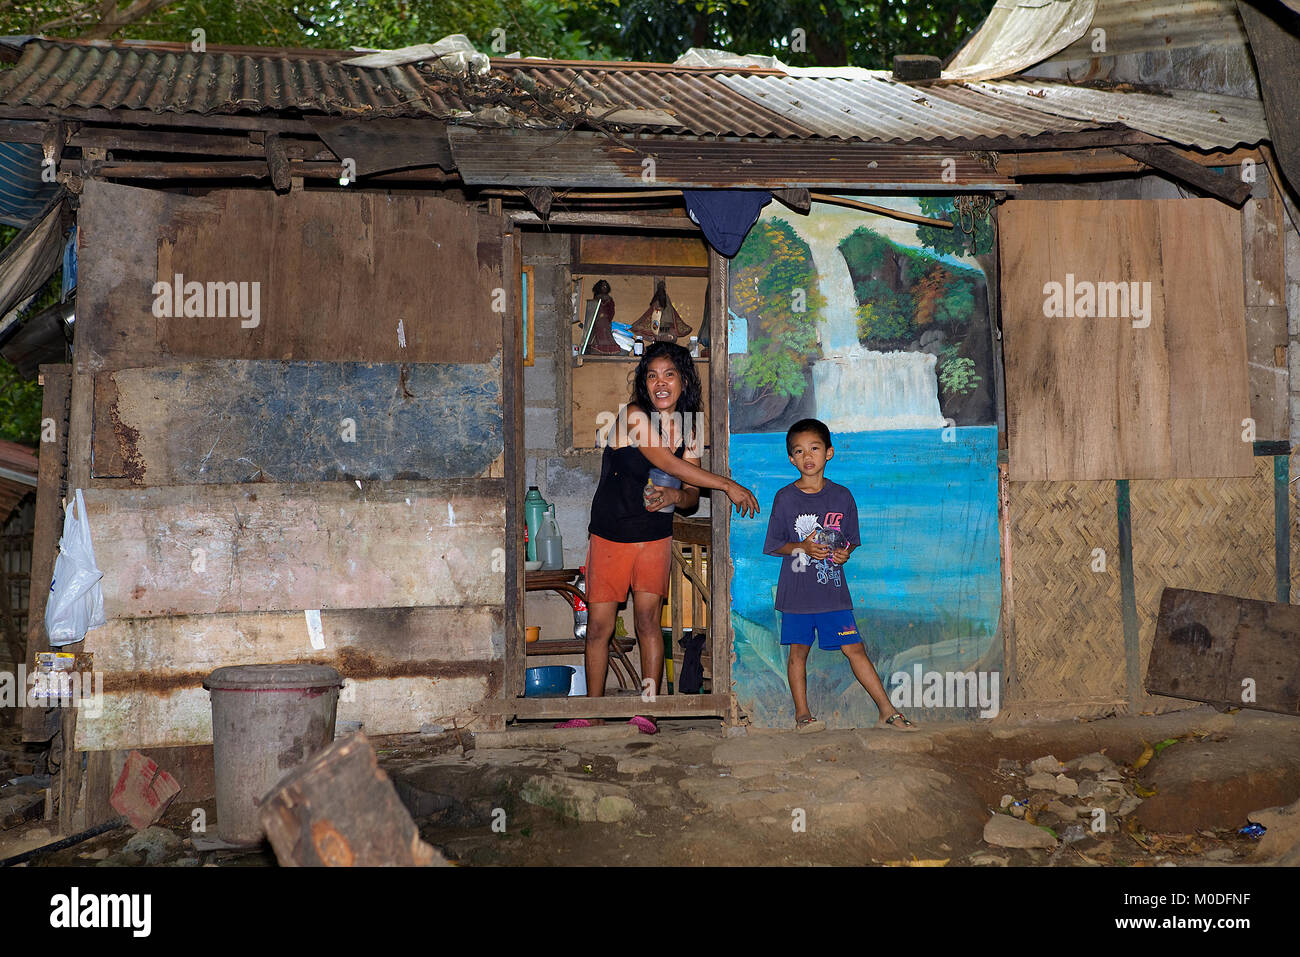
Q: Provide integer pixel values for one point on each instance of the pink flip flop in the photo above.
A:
(645, 725)
(575, 723)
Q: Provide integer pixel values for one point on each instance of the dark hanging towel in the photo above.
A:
(692, 676)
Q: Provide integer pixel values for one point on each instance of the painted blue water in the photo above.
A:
(926, 583)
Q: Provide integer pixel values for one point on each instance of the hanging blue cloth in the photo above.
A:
(69, 266)
(725, 216)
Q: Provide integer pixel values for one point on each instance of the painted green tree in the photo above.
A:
(774, 286)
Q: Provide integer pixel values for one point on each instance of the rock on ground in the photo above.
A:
(153, 844)
(1004, 831)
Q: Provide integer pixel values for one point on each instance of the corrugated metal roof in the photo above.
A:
(85, 76)
(700, 101)
(843, 104)
(873, 107)
(1204, 120)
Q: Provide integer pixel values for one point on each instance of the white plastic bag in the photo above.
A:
(76, 602)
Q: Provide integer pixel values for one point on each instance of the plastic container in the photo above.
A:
(664, 480)
(550, 681)
(550, 547)
(266, 720)
(534, 510)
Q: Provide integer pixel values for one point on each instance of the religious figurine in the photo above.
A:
(661, 322)
(598, 336)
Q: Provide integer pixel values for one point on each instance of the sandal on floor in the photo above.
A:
(898, 722)
(645, 725)
(808, 725)
(576, 723)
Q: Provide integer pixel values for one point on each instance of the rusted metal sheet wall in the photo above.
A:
(342, 457)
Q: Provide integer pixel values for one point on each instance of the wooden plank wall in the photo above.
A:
(1097, 398)
(228, 495)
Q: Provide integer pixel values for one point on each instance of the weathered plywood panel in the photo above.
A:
(405, 667)
(184, 717)
(230, 421)
(1227, 650)
(185, 550)
(1092, 397)
(335, 276)
(160, 654)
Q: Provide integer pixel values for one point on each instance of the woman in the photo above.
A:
(631, 533)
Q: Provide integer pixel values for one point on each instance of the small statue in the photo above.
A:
(661, 322)
(599, 336)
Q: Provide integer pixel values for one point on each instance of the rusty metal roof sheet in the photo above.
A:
(871, 106)
(132, 77)
(1204, 120)
(700, 101)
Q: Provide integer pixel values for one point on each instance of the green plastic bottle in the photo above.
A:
(534, 510)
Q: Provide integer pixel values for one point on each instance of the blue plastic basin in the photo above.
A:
(553, 681)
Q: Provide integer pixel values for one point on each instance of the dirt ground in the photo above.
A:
(1159, 790)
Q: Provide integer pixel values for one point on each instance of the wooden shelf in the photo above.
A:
(623, 358)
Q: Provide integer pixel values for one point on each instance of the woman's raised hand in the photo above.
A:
(744, 500)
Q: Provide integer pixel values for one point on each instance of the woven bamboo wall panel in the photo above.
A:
(1214, 535)
(1069, 631)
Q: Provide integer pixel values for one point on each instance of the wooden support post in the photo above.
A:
(512, 398)
(41, 724)
(720, 505)
(277, 162)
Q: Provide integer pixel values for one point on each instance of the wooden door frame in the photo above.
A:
(509, 702)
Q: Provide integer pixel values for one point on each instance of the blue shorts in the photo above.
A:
(834, 629)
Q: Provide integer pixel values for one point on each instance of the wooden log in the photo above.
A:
(183, 550)
(20, 808)
(230, 421)
(1231, 652)
(340, 809)
(1226, 188)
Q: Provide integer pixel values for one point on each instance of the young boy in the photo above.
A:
(814, 525)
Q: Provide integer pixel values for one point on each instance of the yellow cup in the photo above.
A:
(532, 633)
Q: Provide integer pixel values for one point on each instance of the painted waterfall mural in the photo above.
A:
(880, 328)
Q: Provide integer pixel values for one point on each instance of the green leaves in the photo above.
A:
(20, 407)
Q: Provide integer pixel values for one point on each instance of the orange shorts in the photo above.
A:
(615, 567)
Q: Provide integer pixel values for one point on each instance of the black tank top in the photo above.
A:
(618, 512)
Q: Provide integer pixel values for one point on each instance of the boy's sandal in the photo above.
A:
(898, 722)
(808, 725)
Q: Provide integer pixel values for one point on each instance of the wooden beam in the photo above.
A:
(253, 169)
(1104, 161)
(678, 222)
(882, 211)
(1226, 188)
(610, 706)
(148, 118)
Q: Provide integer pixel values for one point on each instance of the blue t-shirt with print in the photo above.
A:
(830, 516)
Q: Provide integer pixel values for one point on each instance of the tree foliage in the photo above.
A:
(865, 33)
